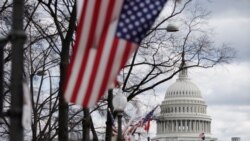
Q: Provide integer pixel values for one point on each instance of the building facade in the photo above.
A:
(235, 139)
(183, 114)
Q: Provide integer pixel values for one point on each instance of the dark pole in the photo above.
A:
(17, 37)
(3, 42)
(109, 122)
(119, 136)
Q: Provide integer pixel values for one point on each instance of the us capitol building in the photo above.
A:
(183, 114)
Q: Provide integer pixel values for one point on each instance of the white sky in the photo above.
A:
(226, 89)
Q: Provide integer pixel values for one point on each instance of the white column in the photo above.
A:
(172, 125)
(168, 125)
(176, 126)
(157, 129)
(181, 125)
(194, 126)
(203, 126)
(164, 128)
(206, 125)
(160, 127)
(209, 127)
(190, 126)
(186, 125)
(199, 125)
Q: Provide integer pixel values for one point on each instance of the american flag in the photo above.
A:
(144, 122)
(202, 136)
(149, 115)
(109, 31)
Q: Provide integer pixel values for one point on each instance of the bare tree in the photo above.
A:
(162, 55)
(50, 26)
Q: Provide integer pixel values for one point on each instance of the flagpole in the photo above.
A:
(17, 37)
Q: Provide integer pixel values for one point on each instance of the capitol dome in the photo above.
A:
(183, 88)
(183, 113)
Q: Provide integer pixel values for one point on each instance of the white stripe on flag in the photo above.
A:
(80, 51)
(103, 64)
(101, 20)
(105, 55)
(86, 76)
(79, 5)
(118, 58)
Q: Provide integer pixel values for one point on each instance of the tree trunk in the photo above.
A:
(86, 125)
(63, 106)
(95, 137)
(109, 121)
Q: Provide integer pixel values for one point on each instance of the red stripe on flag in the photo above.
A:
(147, 126)
(89, 45)
(76, 46)
(130, 47)
(99, 55)
(108, 69)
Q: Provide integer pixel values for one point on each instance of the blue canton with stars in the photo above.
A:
(136, 18)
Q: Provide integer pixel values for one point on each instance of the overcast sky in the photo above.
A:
(226, 89)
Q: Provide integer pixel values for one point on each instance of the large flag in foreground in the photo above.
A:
(107, 33)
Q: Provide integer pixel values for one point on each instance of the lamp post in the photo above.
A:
(139, 131)
(43, 73)
(17, 38)
(119, 103)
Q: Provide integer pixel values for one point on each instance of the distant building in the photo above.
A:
(183, 114)
(235, 139)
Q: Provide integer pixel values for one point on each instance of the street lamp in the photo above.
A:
(169, 28)
(119, 103)
(43, 73)
(172, 28)
(140, 130)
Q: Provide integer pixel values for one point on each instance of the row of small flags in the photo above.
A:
(202, 136)
(144, 122)
(129, 130)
